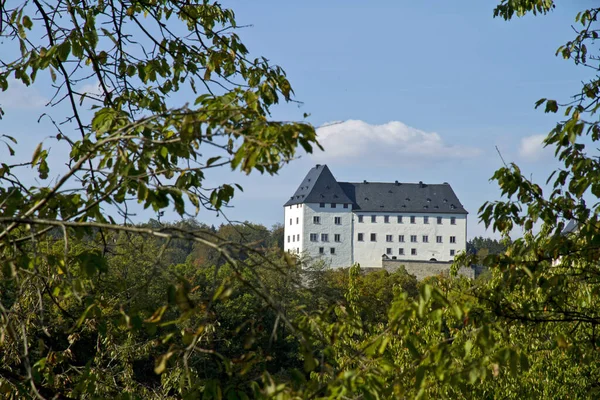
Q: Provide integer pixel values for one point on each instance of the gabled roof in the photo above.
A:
(403, 197)
(319, 186)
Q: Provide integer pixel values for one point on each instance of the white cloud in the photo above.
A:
(18, 96)
(532, 148)
(352, 139)
(92, 89)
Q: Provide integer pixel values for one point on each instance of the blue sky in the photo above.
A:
(419, 91)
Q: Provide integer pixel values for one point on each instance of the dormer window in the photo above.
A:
(322, 205)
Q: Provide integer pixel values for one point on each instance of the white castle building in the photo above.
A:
(346, 223)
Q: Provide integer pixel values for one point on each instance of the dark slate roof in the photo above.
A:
(571, 227)
(403, 197)
(319, 186)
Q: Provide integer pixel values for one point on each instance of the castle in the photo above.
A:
(345, 223)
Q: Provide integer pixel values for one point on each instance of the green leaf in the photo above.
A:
(36, 154)
(161, 362)
(27, 22)
(551, 106)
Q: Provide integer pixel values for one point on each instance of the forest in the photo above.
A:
(94, 304)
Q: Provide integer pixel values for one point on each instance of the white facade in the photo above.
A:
(425, 239)
(294, 228)
(350, 249)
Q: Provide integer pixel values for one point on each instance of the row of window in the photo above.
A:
(388, 251)
(322, 250)
(334, 205)
(400, 219)
(413, 252)
(314, 237)
(386, 219)
(317, 220)
(413, 238)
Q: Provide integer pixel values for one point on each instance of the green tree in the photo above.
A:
(484, 246)
(134, 143)
(544, 286)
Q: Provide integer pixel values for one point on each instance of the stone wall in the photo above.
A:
(423, 269)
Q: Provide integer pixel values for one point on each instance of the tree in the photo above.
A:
(133, 141)
(484, 246)
(547, 280)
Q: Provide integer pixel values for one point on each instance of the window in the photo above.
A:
(337, 220)
(297, 250)
(438, 239)
(345, 205)
(321, 250)
(413, 238)
(439, 220)
(332, 250)
(373, 237)
(316, 220)
(413, 220)
(452, 239)
(360, 218)
(290, 221)
(401, 238)
(389, 238)
(399, 219)
(401, 252)
(373, 218)
(297, 220)
(388, 251)
(360, 237)
(386, 219)
(337, 237)
(425, 239)
(324, 237)
(452, 220)
(452, 252)
(298, 237)
(332, 206)
(413, 252)
(425, 220)
(314, 237)
(322, 205)
(294, 238)
(289, 238)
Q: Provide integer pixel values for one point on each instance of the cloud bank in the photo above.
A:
(532, 148)
(21, 97)
(353, 139)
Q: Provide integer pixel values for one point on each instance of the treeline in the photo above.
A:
(136, 315)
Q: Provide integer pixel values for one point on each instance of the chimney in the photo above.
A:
(397, 184)
(366, 181)
(421, 185)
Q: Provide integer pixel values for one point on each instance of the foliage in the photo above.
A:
(92, 308)
(484, 246)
